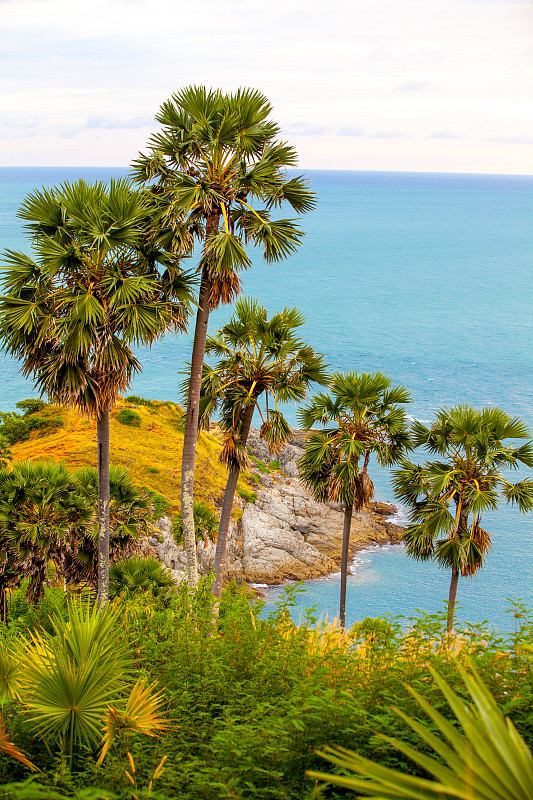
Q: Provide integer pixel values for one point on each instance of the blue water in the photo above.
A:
(426, 277)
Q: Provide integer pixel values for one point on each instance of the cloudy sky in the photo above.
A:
(425, 85)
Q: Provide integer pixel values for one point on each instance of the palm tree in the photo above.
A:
(260, 359)
(72, 314)
(369, 420)
(448, 497)
(216, 154)
(41, 514)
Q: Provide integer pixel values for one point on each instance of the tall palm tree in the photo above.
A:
(72, 315)
(448, 497)
(369, 419)
(216, 156)
(259, 359)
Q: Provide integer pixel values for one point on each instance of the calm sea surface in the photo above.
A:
(426, 277)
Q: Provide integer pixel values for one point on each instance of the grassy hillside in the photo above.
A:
(150, 449)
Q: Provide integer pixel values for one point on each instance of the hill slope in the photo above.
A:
(150, 452)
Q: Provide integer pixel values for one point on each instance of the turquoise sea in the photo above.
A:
(426, 277)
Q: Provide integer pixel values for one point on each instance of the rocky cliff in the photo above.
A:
(284, 534)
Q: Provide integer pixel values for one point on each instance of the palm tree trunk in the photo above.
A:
(227, 505)
(451, 600)
(102, 438)
(190, 433)
(3, 603)
(344, 563)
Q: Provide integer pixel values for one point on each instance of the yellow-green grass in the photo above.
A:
(151, 453)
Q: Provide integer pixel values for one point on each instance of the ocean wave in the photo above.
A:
(417, 419)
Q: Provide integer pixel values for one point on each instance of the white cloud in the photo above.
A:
(445, 135)
(92, 73)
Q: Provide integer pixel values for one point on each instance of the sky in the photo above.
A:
(415, 85)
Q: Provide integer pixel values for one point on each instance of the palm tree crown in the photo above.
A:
(369, 419)
(72, 314)
(448, 497)
(258, 358)
(216, 155)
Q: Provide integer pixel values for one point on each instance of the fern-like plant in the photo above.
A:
(485, 758)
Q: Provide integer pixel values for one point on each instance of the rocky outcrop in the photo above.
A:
(285, 534)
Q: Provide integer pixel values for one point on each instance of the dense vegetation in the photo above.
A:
(248, 707)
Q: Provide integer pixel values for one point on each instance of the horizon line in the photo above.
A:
(295, 169)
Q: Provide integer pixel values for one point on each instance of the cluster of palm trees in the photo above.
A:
(48, 525)
(107, 275)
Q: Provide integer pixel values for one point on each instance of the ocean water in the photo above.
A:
(426, 277)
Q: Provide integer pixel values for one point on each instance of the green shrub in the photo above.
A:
(137, 574)
(5, 452)
(139, 401)
(205, 524)
(17, 428)
(274, 465)
(31, 406)
(261, 466)
(153, 470)
(13, 427)
(249, 496)
(128, 417)
(159, 504)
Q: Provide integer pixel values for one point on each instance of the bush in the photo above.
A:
(31, 406)
(205, 524)
(252, 701)
(17, 428)
(136, 574)
(128, 417)
(5, 452)
(249, 496)
(159, 504)
(139, 401)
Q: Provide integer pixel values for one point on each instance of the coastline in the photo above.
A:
(284, 535)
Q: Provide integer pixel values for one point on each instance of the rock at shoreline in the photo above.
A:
(285, 534)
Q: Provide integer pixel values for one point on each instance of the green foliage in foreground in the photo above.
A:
(250, 705)
(487, 759)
